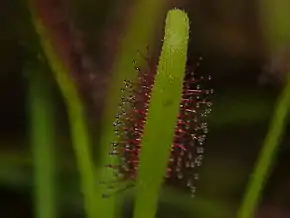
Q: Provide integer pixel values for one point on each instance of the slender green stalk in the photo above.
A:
(42, 139)
(265, 160)
(78, 126)
(275, 20)
(163, 110)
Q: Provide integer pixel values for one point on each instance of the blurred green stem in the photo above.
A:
(42, 139)
(275, 22)
(267, 155)
(76, 113)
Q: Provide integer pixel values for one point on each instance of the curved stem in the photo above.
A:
(267, 155)
(78, 126)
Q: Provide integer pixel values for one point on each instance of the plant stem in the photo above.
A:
(42, 139)
(266, 157)
(78, 126)
(163, 109)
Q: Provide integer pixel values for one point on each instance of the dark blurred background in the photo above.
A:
(248, 77)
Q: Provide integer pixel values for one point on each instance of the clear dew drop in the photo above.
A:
(181, 153)
(189, 156)
(187, 127)
(209, 104)
(206, 112)
(198, 160)
(192, 165)
(113, 152)
(201, 139)
(179, 175)
(203, 125)
(200, 150)
(189, 183)
(193, 191)
(114, 144)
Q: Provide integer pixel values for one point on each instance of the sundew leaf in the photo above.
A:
(162, 114)
(140, 31)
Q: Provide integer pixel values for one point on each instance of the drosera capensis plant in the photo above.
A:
(162, 115)
(166, 97)
(139, 32)
(163, 109)
(191, 127)
(190, 131)
(153, 163)
(149, 175)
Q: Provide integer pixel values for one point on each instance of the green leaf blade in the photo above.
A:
(163, 110)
